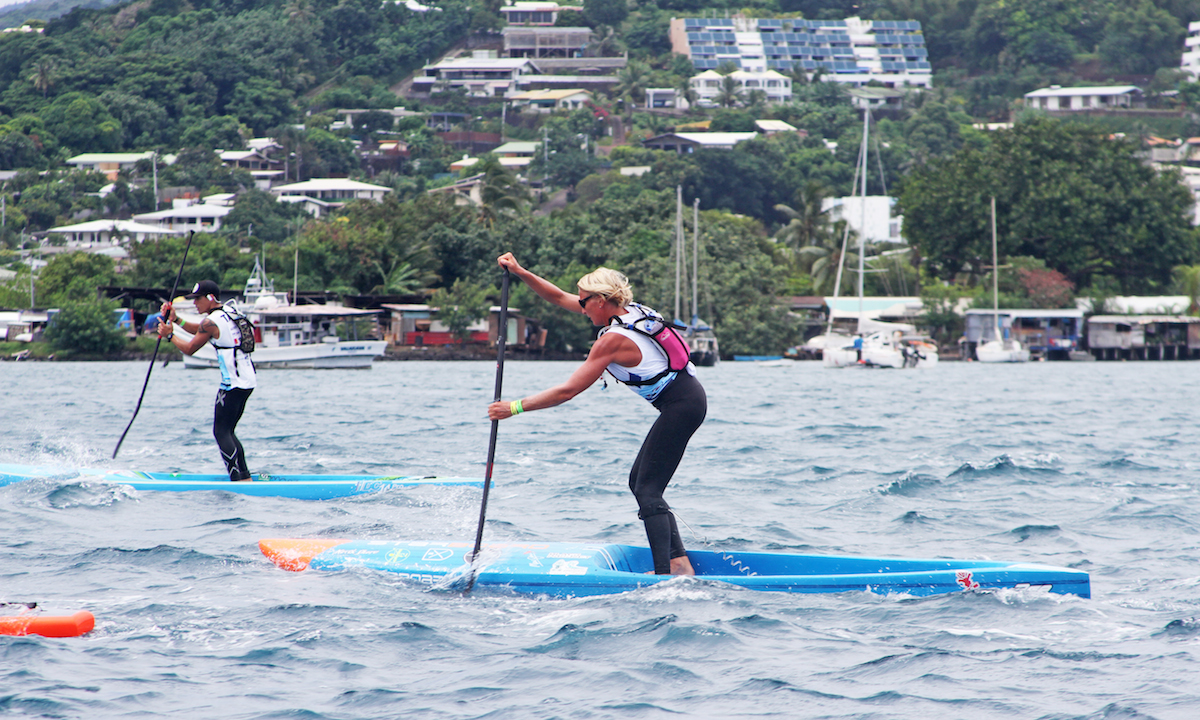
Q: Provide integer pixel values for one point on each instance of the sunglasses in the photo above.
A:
(584, 301)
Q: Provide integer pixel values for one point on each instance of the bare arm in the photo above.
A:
(608, 349)
(205, 330)
(545, 289)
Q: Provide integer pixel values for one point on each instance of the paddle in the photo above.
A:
(154, 357)
(501, 336)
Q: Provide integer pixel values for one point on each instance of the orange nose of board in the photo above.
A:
(294, 555)
(48, 625)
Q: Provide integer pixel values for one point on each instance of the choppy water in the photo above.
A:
(1088, 465)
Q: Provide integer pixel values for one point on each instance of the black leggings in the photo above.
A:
(228, 410)
(682, 407)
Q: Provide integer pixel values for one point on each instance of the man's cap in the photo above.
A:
(204, 287)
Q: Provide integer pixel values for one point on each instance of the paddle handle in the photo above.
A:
(501, 337)
(154, 357)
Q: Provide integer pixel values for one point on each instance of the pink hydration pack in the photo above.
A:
(664, 334)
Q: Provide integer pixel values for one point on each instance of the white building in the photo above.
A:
(776, 86)
(534, 13)
(480, 76)
(1076, 99)
(875, 215)
(185, 215)
(550, 100)
(851, 51)
(686, 143)
(1191, 52)
(331, 193)
(108, 163)
(99, 233)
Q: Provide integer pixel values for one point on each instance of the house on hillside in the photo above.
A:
(545, 42)
(543, 13)
(550, 100)
(479, 75)
(707, 85)
(687, 143)
(101, 233)
(468, 191)
(1079, 99)
(332, 193)
(186, 215)
(852, 51)
(108, 163)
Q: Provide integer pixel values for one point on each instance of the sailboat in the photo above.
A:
(1000, 348)
(702, 342)
(877, 343)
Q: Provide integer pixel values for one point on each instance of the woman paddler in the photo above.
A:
(637, 348)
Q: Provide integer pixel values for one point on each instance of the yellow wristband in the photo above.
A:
(515, 408)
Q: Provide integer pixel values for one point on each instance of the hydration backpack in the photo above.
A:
(665, 336)
(245, 329)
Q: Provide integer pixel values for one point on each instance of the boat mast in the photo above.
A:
(695, 261)
(862, 227)
(678, 243)
(837, 282)
(995, 276)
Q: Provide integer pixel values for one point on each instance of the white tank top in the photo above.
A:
(237, 369)
(654, 360)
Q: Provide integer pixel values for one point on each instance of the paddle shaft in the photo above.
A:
(154, 357)
(501, 336)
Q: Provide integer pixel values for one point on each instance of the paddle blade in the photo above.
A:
(295, 554)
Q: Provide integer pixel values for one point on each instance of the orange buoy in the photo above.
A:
(295, 555)
(48, 625)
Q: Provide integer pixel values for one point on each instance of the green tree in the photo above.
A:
(1067, 194)
(1141, 38)
(605, 12)
(44, 75)
(261, 104)
(74, 276)
(1187, 283)
(86, 327)
(81, 122)
(225, 132)
(461, 306)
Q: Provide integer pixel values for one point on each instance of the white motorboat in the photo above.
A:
(295, 336)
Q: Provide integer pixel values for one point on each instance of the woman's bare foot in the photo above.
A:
(682, 566)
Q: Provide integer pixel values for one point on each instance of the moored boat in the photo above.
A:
(582, 569)
(294, 336)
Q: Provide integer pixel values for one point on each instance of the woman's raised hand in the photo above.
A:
(509, 262)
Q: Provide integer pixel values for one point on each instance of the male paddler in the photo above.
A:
(237, 369)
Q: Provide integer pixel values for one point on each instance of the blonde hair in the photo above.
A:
(609, 284)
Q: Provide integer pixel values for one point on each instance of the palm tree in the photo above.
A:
(687, 92)
(43, 75)
(631, 83)
(502, 193)
(730, 94)
(756, 98)
(825, 259)
(808, 223)
(1187, 282)
(299, 12)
